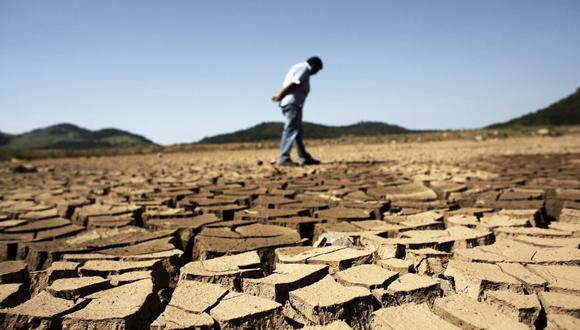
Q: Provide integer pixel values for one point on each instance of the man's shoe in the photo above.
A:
(288, 164)
(311, 162)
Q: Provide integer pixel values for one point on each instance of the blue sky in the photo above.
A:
(176, 71)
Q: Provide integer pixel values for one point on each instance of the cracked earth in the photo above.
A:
(445, 235)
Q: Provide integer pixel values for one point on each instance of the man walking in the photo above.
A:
(291, 97)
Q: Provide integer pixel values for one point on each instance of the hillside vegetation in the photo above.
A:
(272, 130)
(563, 112)
(4, 138)
(68, 136)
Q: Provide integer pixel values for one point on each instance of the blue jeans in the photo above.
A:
(292, 134)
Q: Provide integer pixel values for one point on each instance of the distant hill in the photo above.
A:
(272, 131)
(563, 112)
(4, 138)
(68, 136)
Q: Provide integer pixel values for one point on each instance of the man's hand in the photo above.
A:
(276, 98)
(288, 89)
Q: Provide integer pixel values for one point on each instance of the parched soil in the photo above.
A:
(446, 235)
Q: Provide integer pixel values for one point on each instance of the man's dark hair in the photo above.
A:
(315, 62)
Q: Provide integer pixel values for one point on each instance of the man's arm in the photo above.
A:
(283, 92)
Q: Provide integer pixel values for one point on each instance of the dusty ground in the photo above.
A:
(453, 234)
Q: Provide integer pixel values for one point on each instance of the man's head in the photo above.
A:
(315, 64)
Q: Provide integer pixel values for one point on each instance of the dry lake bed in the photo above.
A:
(423, 235)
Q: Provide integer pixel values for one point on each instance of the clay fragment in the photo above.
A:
(409, 288)
(408, 316)
(327, 301)
(285, 278)
(465, 312)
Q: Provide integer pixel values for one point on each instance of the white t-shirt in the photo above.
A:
(300, 75)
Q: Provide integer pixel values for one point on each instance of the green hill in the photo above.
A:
(563, 112)
(68, 136)
(272, 131)
(4, 138)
